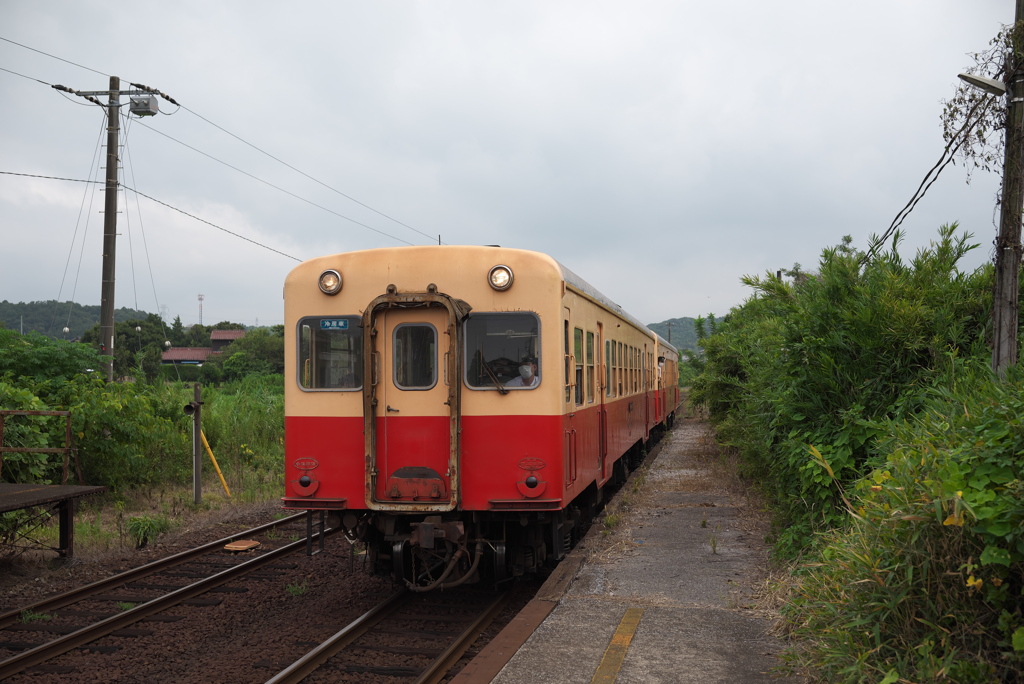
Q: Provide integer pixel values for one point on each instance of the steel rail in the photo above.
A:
(433, 674)
(55, 602)
(437, 670)
(50, 650)
(308, 663)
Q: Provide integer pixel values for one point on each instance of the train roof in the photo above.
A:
(574, 280)
(570, 277)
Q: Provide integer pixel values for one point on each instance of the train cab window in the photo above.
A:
(415, 356)
(330, 353)
(503, 351)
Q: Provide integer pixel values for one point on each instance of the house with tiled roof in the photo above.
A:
(187, 355)
(222, 338)
(198, 355)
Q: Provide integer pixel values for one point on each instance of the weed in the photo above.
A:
(125, 605)
(144, 528)
(28, 616)
(297, 589)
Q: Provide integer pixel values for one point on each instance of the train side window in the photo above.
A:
(497, 345)
(577, 350)
(629, 370)
(415, 356)
(330, 353)
(622, 360)
(635, 359)
(568, 388)
(590, 367)
(607, 368)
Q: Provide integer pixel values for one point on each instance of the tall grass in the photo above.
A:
(861, 395)
(244, 424)
(925, 582)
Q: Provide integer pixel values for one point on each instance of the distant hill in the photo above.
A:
(682, 334)
(49, 318)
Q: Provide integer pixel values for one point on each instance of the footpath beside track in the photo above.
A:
(670, 593)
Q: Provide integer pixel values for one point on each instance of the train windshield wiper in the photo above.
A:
(492, 376)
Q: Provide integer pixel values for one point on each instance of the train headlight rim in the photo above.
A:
(500, 277)
(330, 282)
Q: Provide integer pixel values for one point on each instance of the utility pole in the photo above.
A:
(110, 228)
(143, 103)
(1005, 311)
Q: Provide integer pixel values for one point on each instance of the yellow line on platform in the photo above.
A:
(608, 670)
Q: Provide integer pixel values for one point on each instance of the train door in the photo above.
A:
(648, 372)
(571, 438)
(411, 408)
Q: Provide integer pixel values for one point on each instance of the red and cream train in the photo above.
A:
(459, 409)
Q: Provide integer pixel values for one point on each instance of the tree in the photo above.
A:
(35, 356)
(260, 351)
(177, 337)
(131, 338)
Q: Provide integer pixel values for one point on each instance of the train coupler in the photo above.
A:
(424, 534)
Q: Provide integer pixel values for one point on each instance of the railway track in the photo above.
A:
(415, 637)
(114, 605)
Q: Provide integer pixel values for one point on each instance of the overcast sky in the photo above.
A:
(661, 150)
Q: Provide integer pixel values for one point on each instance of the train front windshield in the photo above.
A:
(497, 344)
(331, 353)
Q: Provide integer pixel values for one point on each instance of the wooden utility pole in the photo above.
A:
(143, 103)
(110, 228)
(1005, 312)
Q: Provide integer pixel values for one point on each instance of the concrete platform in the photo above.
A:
(670, 592)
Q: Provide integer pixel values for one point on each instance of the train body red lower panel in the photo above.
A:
(501, 456)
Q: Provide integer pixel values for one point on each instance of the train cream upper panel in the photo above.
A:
(460, 272)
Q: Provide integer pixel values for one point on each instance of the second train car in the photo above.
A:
(459, 409)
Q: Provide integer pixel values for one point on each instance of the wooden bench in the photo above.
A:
(15, 497)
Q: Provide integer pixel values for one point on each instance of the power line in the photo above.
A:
(28, 77)
(169, 206)
(299, 171)
(214, 225)
(246, 142)
(33, 175)
(66, 61)
(268, 183)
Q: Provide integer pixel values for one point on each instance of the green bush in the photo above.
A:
(145, 528)
(35, 356)
(926, 581)
(821, 359)
(27, 432)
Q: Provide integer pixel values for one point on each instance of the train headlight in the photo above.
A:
(330, 282)
(500, 277)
